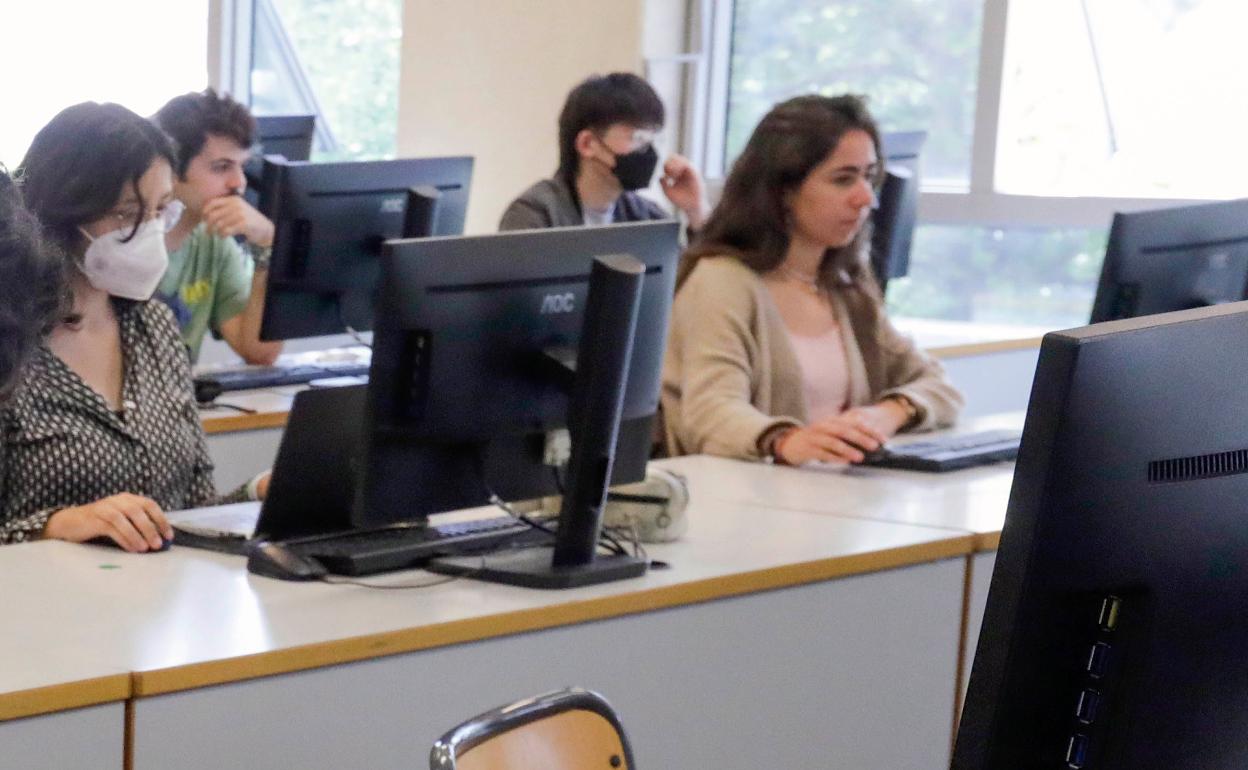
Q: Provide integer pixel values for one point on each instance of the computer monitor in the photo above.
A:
(286, 136)
(331, 220)
(1174, 259)
(1115, 630)
(893, 220)
(480, 350)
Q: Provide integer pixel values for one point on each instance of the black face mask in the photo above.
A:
(635, 169)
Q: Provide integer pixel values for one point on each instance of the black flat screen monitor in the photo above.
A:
(1174, 259)
(897, 210)
(475, 359)
(287, 136)
(1117, 618)
(331, 220)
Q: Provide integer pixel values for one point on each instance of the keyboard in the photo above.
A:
(251, 377)
(365, 552)
(948, 453)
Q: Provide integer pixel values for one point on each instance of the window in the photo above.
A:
(95, 58)
(915, 59)
(1140, 99)
(337, 60)
(1043, 278)
(1044, 118)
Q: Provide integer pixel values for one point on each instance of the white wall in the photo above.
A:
(487, 78)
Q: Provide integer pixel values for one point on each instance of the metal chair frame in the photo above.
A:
(485, 726)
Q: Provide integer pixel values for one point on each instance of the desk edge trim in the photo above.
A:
(384, 644)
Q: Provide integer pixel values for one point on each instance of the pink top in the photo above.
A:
(825, 372)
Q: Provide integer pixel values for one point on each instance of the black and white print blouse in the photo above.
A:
(61, 445)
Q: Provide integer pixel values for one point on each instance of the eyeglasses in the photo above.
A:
(169, 214)
(638, 139)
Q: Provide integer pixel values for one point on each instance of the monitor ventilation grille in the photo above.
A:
(1199, 467)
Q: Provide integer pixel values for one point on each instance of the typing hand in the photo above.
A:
(133, 522)
(843, 438)
(231, 215)
(884, 418)
(683, 187)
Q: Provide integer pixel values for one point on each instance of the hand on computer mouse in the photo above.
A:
(844, 437)
(133, 522)
(108, 542)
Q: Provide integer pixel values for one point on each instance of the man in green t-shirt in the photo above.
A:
(213, 282)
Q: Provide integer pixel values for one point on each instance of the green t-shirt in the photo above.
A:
(208, 282)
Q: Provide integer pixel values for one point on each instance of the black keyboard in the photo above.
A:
(948, 453)
(365, 552)
(251, 377)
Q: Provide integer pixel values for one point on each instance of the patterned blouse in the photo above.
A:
(61, 445)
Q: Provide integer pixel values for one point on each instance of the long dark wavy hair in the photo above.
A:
(751, 221)
(31, 284)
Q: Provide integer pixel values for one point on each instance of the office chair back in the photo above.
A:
(571, 729)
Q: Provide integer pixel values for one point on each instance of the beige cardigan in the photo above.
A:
(730, 374)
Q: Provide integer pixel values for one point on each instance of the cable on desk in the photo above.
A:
(208, 407)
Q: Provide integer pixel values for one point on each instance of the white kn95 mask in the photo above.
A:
(130, 269)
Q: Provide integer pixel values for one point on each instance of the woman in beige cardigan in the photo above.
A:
(779, 345)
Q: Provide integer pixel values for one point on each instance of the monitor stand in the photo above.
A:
(602, 362)
(533, 568)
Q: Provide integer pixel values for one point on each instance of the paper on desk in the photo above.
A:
(236, 520)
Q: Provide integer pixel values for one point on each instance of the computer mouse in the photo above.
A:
(277, 561)
(165, 543)
(206, 390)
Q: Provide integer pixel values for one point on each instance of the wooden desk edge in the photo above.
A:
(984, 348)
(240, 422)
(321, 654)
(987, 541)
(63, 697)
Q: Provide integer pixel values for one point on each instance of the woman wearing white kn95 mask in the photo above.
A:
(102, 434)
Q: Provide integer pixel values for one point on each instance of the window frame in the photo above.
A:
(980, 205)
(231, 40)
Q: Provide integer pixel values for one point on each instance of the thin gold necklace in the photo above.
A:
(811, 284)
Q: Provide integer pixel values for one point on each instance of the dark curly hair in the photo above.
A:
(191, 118)
(31, 284)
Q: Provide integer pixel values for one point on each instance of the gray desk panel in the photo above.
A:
(993, 382)
(84, 739)
(237, 457)
(856, 672)
(981, 578)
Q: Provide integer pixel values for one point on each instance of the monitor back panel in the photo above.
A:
(331, 220)
(1122, 572)
(1174, 259)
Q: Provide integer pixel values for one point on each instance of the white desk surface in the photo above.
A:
(186, 618)
(971, 500)
(270, 409)
(50, 661)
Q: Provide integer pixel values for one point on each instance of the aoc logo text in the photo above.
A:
(558, 303)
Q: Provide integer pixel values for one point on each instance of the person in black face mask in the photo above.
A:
(607, 154)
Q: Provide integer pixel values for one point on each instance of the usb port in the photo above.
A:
(1110, 606)
(1077, 751)
(1098, 660)
(1085, 710)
